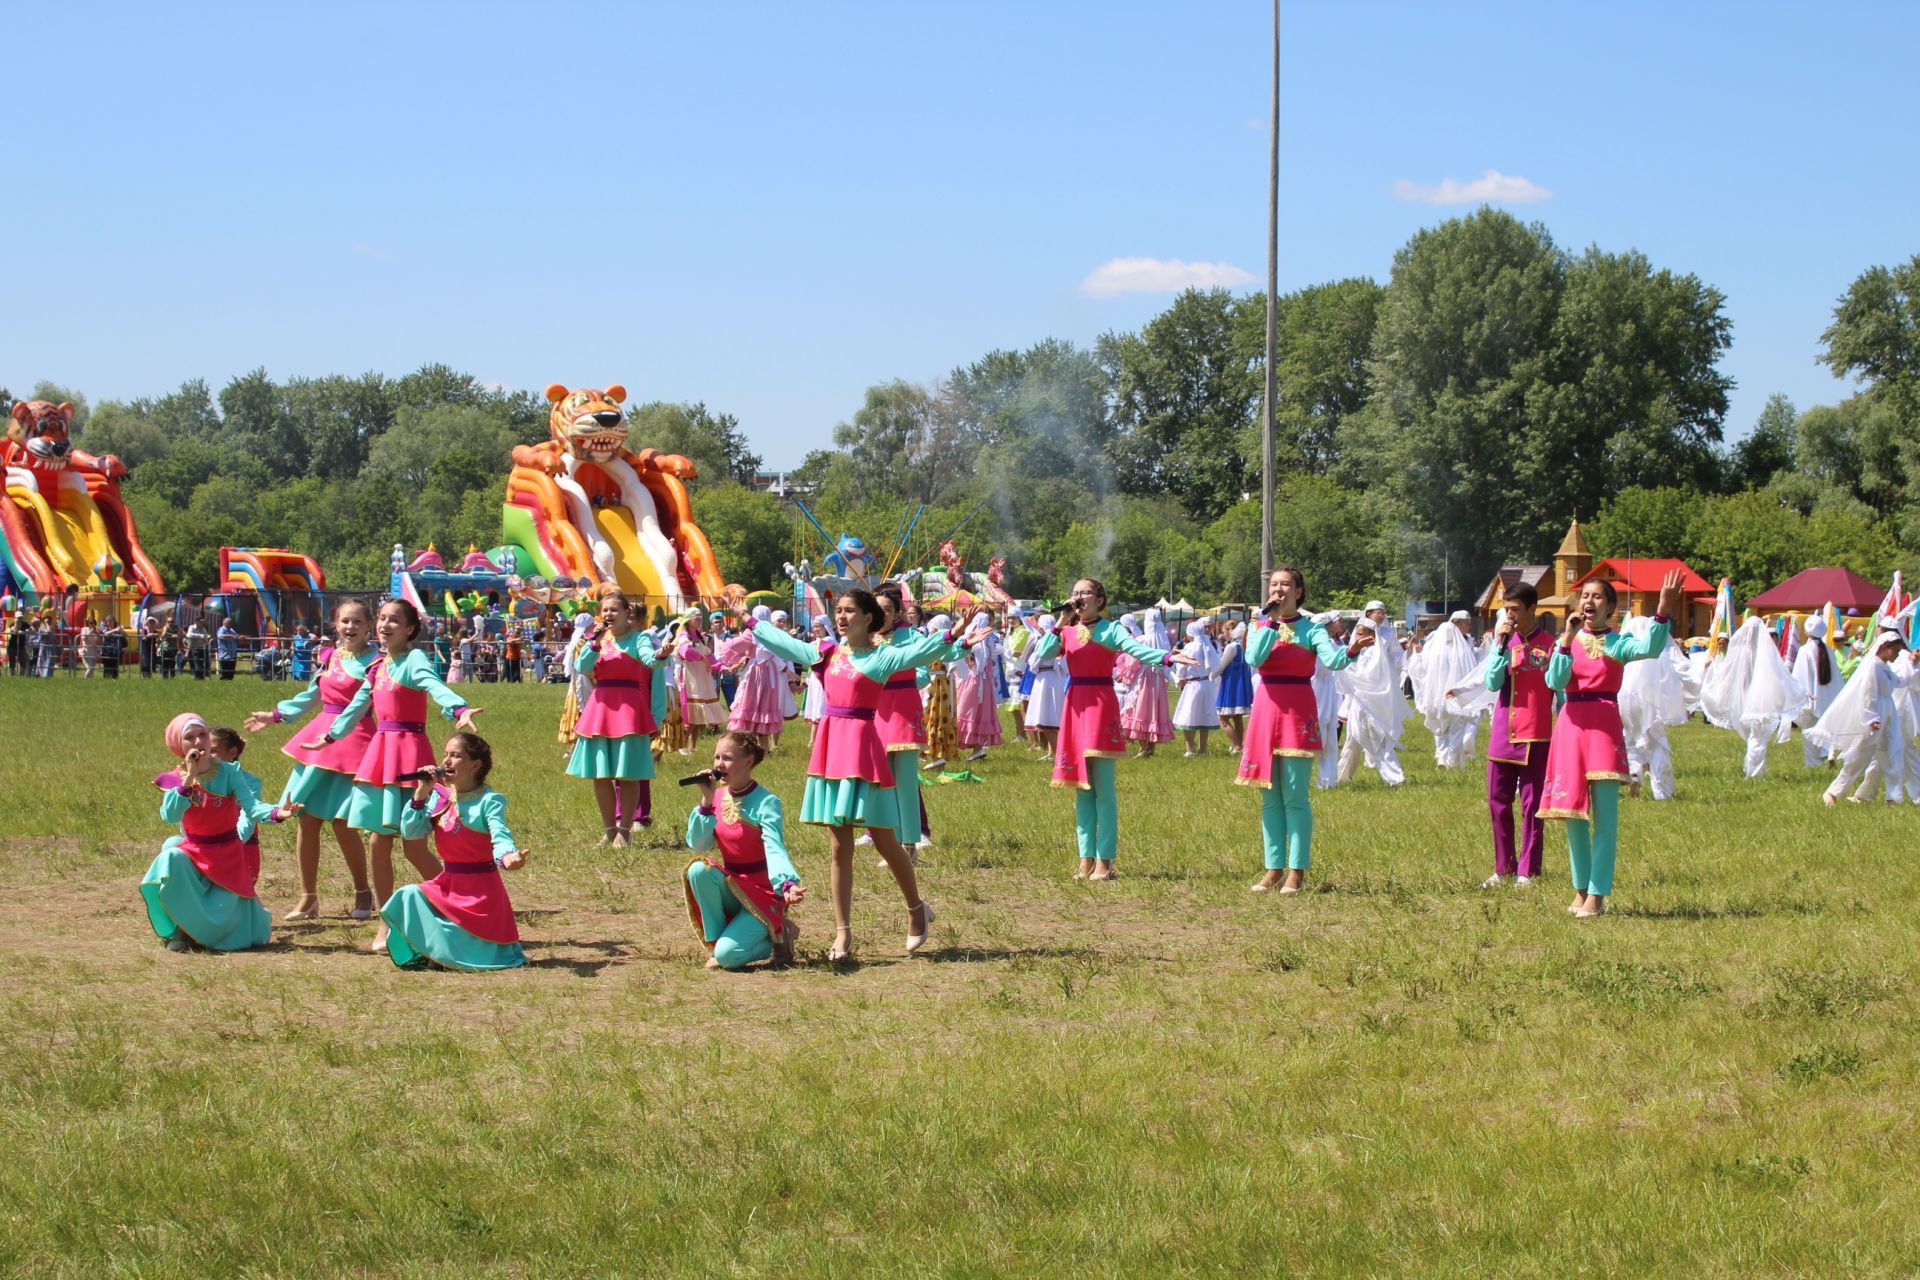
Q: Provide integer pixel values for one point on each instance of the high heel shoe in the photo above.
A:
(309, 909)
(840, 950)
(363, 908)
(915, 941)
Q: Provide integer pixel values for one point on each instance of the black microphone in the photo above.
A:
(431, 774)
(705, 775)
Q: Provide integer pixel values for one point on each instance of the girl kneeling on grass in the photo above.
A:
(739, 904)
(1587, 758)
(200, 889)
(462, 918)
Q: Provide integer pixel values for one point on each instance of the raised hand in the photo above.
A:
(1670, 594)
(1363, 639)
(258, 721)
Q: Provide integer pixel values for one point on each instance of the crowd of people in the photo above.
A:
(1304, 700)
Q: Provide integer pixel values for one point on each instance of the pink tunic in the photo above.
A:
(337, 687)
(1588, 743)
(468, 890)
(1285, 720)
(900, 719)
(847, 744)
(210, 837)
(1090, 724)
(621, 701)
(976, 716)
(743, 860)
(399, 742)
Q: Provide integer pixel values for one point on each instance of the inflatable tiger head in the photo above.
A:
(42, 429)
(588, 423)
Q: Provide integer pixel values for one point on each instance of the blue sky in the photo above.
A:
(769, 207)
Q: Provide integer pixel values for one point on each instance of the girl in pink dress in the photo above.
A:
(613, 740)
(756, 698)
(1090, 740)
(700, 703)
(1148, 720)
(396, 691)
(1283, 647)
(976, 714)
(1587, 757)
(322, 781)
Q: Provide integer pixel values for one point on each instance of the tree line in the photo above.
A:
(1430, 428)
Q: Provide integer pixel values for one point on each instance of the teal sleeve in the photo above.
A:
(777, 642)
(700, 827)
(1260, 641)
(1333, 656)
(1622, 647)
(250, 801)
(1559, 667)
(1114, 636)
(585, 656)
(889, 659)
(493, 811)
(1045, 647)
(415, 820)
(417, 673)
(300, 703)
(922, 677)
(173, 806)
(356, 707)
(770, 818)
(650, 653)
(1497, 663)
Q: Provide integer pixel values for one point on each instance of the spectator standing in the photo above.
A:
(227, 647)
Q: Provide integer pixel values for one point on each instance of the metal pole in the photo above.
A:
(1273, 285)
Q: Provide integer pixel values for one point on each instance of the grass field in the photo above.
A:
(1395, 1073)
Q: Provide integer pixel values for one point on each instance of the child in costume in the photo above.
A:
(1047, 698)
(1090, 739)
(228, 746)
(1147, 718)
(1233, 693)
(397, 687)
(1284, 725)
(462, 918)
(1865, 726)
(700, 704)
(613, 740)
(849, 782)
(943, 740)
(739, 904)
(578, 685)
(322, 781)
(1587, 758)
(976, 711)
(1196, 711)
(200, 888)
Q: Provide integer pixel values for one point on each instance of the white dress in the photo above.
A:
(1197, 707)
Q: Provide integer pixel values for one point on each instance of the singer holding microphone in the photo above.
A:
(739, 904)
(849, 782)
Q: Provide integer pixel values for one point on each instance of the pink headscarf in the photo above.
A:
(177, 732)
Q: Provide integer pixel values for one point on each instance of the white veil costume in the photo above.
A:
(1326, 698)
(1375, 710)
(1868, 724)
(1446, 660)
(1196, 707)
(1749, 690)
(1653, 698)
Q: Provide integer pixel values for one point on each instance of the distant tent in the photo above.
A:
(1181, 611)
(1809, 589)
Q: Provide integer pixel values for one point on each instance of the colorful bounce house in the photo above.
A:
(64, 530)
(480, 580)
(269, 589)
(583, 505)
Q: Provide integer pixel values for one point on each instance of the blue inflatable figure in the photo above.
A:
(850, 559)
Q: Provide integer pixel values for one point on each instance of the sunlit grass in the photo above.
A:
(1395, 1072)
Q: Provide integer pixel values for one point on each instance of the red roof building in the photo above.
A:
(1638, 582)
(1811, 589)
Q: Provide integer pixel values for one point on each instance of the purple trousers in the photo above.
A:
(1504, 780)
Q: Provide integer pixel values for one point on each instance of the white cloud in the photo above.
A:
(1491, 187)
(1160, 275)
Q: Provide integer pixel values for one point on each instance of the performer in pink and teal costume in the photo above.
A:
(200, 888)
(1090, 738)
(738, 904)
(1283, 648)
(613, 739)
(462, 918)
(1587, 759)
(849, 783)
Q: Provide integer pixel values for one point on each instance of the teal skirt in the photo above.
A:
(629, 759)
(320, 793)
(375, 809)
(418, 932)
(849, 802)
(180, 899)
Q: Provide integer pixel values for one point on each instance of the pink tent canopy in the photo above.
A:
(1811, 588)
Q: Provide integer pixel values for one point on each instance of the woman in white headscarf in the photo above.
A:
(1749, 690)
(1654, 697)
(976, 712)
(1048, 696)
(1446, 660)
(1194, 712)
(1817, 668)
(1147, 718)
(1327, 703)
(1375, 710)
(1866, 726)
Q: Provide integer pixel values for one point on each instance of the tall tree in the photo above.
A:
(901, 443)
(1767, 449)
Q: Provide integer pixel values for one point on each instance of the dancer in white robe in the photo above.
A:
(1866, 726)
(1375, 710)
(1445, 661)
(1749, 690)
(1653, 698)
(1817, 668)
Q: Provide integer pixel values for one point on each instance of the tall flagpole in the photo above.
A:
(1273, 283)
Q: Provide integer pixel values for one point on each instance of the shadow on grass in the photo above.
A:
(614, 951)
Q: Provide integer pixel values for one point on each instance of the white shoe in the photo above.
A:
(915, 941)
(1260, 886)
(979, 754)
(1188, 756)
(1493, 881)
(178, 943)
(1522, 882)
(936, 763)
(864, 839)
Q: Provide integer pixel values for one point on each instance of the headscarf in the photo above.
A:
(1154, 630)
(1850, 720)
(779, 617)
(1446, 661)
(1207, 655)
(177, 732)
(1130, 623)
(940, 624)
(1653, 692)
(1047, 622)
(1816, 627)
(761, 613)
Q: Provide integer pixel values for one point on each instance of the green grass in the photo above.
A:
(1395, 1073)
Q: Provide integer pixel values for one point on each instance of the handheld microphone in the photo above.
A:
(705, 775)
(429, 774)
